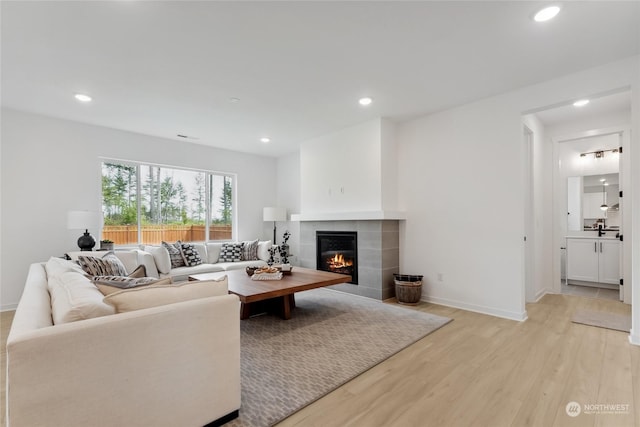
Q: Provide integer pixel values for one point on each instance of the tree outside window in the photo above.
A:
(174, 204)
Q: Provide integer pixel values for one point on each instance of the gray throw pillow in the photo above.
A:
(108, 265)
(175, 253)
(250, 250)
(110, 284)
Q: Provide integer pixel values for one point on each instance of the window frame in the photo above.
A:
(207, 181)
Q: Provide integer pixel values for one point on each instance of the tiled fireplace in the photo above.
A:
(337, 252)
(376, 253)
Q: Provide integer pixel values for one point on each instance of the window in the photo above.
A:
(148, 204)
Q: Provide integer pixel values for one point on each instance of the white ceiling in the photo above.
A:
(617, 103)
(298, 68)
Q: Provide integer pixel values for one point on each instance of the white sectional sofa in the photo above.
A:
(159, 265)
(169, 365)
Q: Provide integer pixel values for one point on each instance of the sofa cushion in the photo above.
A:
(250, 250)
(190, 255)
(241, 265)
(175, 253)
(263, 250)
(75, 297)
(213, 252)
(161, 257)
(231, 252)
(57, 266)
(202, 250)
(182, 273)
(108, 264)
(155, 295)
(110, 284)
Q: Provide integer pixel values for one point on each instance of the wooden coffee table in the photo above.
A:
(279, 293)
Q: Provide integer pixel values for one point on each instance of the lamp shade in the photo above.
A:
(274, 214)
(83, 220)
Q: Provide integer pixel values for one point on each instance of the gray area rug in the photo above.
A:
(331, 338)
(618, 322)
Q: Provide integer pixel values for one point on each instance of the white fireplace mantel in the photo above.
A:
(349, 216)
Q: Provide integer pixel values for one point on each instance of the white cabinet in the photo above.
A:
(593, 260)
(609, 261)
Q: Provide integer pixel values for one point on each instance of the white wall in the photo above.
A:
(460, 182)
(341, 172)
(631, 223)
(51, 166)
(288, 196)
(542, 156)
(389, 165)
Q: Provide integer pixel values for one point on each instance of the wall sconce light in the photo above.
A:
(599, 153)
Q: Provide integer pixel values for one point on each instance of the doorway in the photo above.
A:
(590, 185)
(573, 129)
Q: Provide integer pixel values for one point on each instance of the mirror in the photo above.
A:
(586, 194)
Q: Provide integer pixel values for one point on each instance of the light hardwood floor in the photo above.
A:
(484, 371)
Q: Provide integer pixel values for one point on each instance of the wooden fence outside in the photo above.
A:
(155, 234)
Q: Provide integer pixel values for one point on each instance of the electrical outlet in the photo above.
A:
(440, 277)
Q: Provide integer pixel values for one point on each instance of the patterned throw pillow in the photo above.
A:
(250, 251)
(190, 255)
(175, 253)
(108, 265)
(110, 284)
(231, 252)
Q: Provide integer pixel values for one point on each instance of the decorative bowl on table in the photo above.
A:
(250, 270)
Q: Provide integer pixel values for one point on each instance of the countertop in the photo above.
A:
(612, 237)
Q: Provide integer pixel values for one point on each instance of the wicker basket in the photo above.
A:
(408, 288)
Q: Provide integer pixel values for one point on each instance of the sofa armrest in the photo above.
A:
(177, 364)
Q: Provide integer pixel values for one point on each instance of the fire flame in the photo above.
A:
(338, 261)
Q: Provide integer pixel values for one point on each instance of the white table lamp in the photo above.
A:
(274, 214)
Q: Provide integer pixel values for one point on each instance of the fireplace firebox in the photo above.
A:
(337, 252)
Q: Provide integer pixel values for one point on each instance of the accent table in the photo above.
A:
(278, 294)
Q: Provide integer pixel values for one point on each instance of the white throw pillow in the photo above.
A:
(74, 297)
(213, 252)
(161, 258)
(263, 250)
(155, 295)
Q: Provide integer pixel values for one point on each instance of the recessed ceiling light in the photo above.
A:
(581, 103)
(82, 97)
(546, 14)
(234, 100)
(265, 139)
(365, 101)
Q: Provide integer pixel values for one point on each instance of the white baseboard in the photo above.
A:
(634, 338)
(541, 293)
(519, 317)
(8, 307)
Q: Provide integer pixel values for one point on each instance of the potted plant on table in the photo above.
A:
(106, 245)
